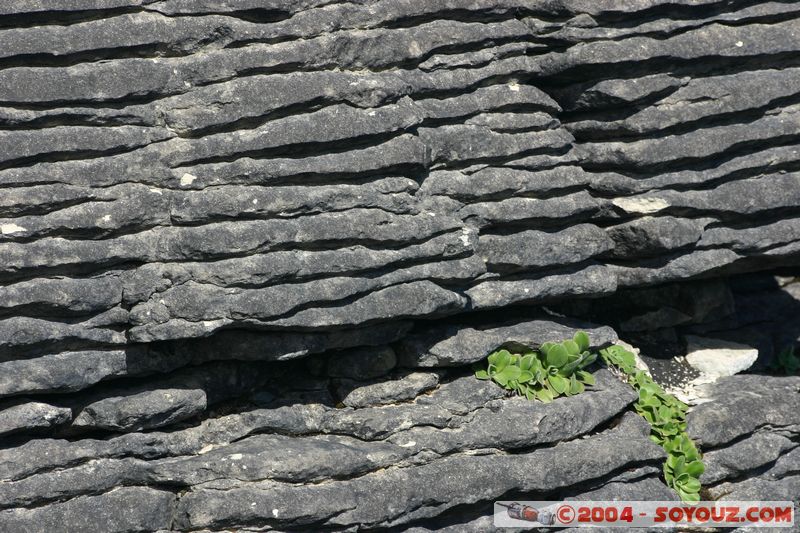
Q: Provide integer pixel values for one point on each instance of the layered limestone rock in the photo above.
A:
(749, 432)
(249, 249)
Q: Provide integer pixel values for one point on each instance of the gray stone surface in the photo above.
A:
(63, 372)
(142, 410)
(474, 478)
(640, 485)
(592, 281)
(716, 358)
(744, 456)
(772, 402)
(408, 387)
(781, 481)
(530, 250)
(748, 433)
(127, 509)
(647, 236)
(324, 446)
(281, 458)
(458, 344)
(25, 416)
(195, 196)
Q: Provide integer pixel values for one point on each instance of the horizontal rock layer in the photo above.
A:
(455, 431)
(750, 433)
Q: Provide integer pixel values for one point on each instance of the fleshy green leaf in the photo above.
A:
(582, 340)
(568, 369)
(557, 356)
(530, 394)
(545, 347)
(559, 384)
(689, 497)
(575, 386)
(586, 377)
(501, 379)
(526, 363)
(482, 374)
(572, 347)
(672, 461)
(679, 466)
(620, 357)
(587, 360)
(503, 360)
(544, 395)
(695, 469)
(690, 484)
(509, 373)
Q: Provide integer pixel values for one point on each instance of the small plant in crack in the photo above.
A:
(667, 418)
(787, 362)
(555, 369)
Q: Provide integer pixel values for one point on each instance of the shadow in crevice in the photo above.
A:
(767, 316)
(761, 310)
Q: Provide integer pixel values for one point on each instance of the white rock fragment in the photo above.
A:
(464, 237)
(718, 358)
(714, 358)
(187, 179)
(7, 229)
(642, 206)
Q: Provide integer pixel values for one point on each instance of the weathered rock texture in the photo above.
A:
(193, 193)
(750, 434)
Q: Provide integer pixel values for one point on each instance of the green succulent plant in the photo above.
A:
(787, 362)
(619, 357)
(667, 418)
(554, 370)
(665, 413)
(683, 467)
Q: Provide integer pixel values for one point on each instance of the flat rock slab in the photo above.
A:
(23, 417)
(126, 509)
(717, 358)
(456, 345)
(408, 387)
(458, 480)
(742, 404)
